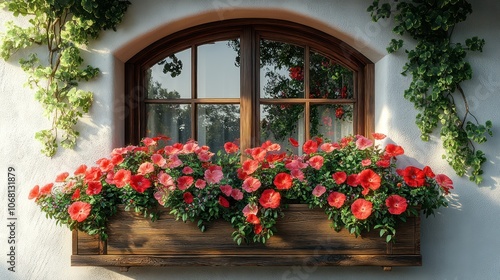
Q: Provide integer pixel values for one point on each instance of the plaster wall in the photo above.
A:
(459, 243)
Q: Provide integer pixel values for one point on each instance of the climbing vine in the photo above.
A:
(438, 68)
(59, 28)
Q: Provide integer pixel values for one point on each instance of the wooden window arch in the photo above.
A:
(255, 42)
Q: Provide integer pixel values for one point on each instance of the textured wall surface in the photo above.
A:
(459, 243)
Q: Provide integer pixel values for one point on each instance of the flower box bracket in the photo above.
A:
(304, 237)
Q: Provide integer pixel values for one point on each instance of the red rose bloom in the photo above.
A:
(396, 204)
(336, 199)
(283, 181)
(361, 208)
(79, 211)
(139, 183)
(270, 199)
(188, 197)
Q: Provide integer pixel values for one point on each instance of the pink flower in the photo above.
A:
(383, 163)
(105, 164)
(230, 147)
(250, 210)
(205, 156)
(251, 184)
(316, 162)
(226, 189)
(189, 147)
(122, 178)
(159, 160)
(187, 170)
(249, 166)
(297, 174)
(165, 179)
(237, 194)
(327, 147)
(148, 141)
(366, 162)
(378, 136)
(363, 143)
(270, 199)
(213, 175)
(295, 164)
(173, 161)
(145, 168)
(310, 147)
(319, 190)
(200, 184)
(94, 187)
(184, 182)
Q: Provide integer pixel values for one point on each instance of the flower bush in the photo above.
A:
(355, 181)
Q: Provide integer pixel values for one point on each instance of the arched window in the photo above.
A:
(248, 81)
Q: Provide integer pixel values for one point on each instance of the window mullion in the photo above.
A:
(307, 109)
(194, 91)
(247, 79)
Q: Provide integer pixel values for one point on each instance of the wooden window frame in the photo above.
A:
(247, 30)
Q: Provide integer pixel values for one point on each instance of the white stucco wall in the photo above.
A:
(459, 243)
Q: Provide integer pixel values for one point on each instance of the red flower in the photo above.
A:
(444, 182)
(251, 184)
(414, 177)
(257, 229)
(392, 150)
(62, 177)
(94, 174)
(258, 154)
(396, 204)
(230, 147)
(184, 182)
(283, 181)
(378, 136)
(94, 187)
(81, 170)
(296, 73)
(383, 163)
(249, 166)
(343, 92)
(148, 141)
(366, 162)
(76, 195)
(428, 172)
(223, 202)
(339, 112)
(35, 191)
(316, 162)
(368, 179)
(293, 142)
(270, 199)
(187, 170)
(339, 177)
(319, 190)
(310, 147)
(200, 184)
(336, 199)
(352, 180)
(116, 159)
(79, 211)
(328, 147)
(122, 178)
(237, 194)
(105, 164)
(253, 219)
(139, 183)
(165, 179)
(188, 197)
(46, 189)
(361, 208)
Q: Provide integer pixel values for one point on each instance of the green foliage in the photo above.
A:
(62, 26)
(438, 67)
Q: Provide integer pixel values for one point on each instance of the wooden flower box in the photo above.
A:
(304, 238)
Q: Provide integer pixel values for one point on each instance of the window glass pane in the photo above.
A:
(281, 70)
(218, 124)
(329, 79)
(279, 122)
(218, 70)
(171, 77)
(172, 120)
(331, 121)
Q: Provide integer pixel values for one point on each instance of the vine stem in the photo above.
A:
(467, 111)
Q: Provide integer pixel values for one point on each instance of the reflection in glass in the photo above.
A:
(331, 121)
(171, 75)
(218, 74)
(172, 120)
(281, 70)
(280, 122)
(329, 79)
(218, 124)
